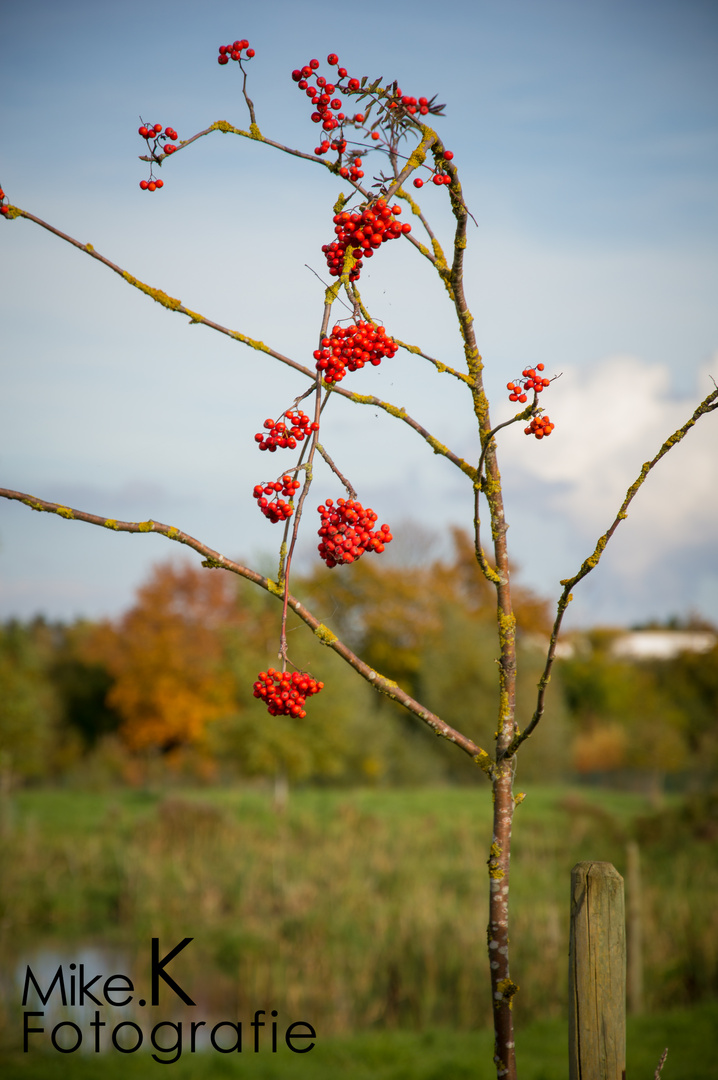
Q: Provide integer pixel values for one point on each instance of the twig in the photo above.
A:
(350, 490)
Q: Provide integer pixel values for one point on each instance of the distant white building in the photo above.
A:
(662, 644)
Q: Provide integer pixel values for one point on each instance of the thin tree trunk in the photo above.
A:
(502, 986)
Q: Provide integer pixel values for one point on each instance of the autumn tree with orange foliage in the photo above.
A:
(166, 658)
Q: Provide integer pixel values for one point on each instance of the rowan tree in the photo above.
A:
(372, 201)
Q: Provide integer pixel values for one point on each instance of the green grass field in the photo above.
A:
(362, 911)
(690, 1035)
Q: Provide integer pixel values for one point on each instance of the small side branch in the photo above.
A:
(402, 414)
(214, 560)
(708, 405)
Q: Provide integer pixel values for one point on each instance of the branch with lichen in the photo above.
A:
(708, 405)
(214, 560)
(172, 304)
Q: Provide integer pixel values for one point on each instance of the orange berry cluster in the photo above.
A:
(532, 381)
(285, 694)
(275, 508)
(351, 347)
(347, 532)
(234, 51)
(540, 426)
(362, 233)
(279, 435)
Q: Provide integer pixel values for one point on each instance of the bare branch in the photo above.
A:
(173, 304)
(214, 560)
(708, 405)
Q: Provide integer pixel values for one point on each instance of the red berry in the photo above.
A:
(333, 59)
(250, 53)
(314, 64)
(418, 182)
(448, 155)
(144, 185)
(143, 131)
(159, 183)
(157, 128)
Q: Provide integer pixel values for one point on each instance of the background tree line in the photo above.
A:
(168, 686)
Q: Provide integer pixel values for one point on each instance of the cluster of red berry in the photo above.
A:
(274, 507)
(279, 435)
(328, 109)
(362, 233)
(351, 347)
(285, 694)
(413, 105)
(532, 381)
(539, 426)
(158, 138)
(347, 532)
(3, 205)
(157, 144)
(234, 51)
(339, 145)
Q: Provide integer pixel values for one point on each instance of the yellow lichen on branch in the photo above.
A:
(156, 294)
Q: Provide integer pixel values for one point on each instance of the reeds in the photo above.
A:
(353, 909)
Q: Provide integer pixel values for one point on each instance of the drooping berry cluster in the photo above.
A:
(350, 348)
(269, 501)
(540, 426)
(347, 532)
(234, 51)
(285, 694)
(278, 434)
(533, 380)
(362, 233)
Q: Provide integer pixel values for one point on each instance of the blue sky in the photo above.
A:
(586, 137)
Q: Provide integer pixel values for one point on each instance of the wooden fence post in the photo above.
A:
(597, 974)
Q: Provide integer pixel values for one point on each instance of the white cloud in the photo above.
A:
(609, 421)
